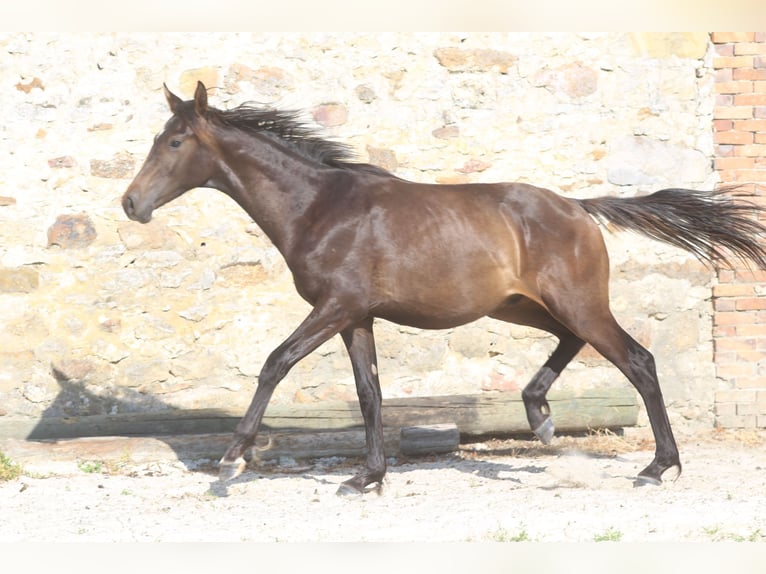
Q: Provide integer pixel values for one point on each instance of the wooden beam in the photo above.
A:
(409, 441)
(487, 413)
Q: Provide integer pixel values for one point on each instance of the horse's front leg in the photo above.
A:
(324, 322)
(360, 343)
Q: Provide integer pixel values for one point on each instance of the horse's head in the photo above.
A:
(178, 161)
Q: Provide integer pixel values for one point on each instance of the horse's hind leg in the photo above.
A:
(533, 395)
(523, 311)
(592, 320)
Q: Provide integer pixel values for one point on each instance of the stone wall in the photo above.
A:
(740, 296)
(103, 315)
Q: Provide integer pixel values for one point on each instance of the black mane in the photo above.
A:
(286, 126)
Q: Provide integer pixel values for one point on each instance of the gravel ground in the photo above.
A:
(579, 489)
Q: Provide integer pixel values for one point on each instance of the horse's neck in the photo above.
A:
(273, 186)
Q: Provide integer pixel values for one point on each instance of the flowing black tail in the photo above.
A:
(712, 225)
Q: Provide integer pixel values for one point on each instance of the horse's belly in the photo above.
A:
(441, 302)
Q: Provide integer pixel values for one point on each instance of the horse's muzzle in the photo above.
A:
(130, 206)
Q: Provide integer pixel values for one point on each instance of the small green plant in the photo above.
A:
(90, 466)
(717, 535)
(609, 535)
(502, 535)
(9, 470)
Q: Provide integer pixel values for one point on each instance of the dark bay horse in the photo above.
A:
(362, 243)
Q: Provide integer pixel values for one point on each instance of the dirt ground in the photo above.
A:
(578, 489)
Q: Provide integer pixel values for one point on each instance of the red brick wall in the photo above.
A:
(740, 296)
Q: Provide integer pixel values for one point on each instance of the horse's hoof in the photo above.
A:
(646, 481)
(348, 491)
(230, 470)
(545, 431)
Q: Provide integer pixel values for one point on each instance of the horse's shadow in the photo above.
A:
(526, 470)
(78, 412)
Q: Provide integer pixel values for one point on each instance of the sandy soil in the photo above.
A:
(578, 489)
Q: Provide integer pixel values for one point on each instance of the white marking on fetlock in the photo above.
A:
(238, 465)
(545, 431)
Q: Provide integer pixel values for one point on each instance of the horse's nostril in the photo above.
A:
(127, 205)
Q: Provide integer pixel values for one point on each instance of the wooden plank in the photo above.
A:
(487, 413)
(411, 441)
(429, 439)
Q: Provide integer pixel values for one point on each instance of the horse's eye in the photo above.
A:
(175, 143)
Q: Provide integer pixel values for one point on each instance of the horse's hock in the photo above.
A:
(102, 316)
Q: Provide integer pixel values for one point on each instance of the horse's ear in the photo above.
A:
(173, 100)
(200, 99)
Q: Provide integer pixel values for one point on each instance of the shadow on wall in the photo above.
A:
(79, 412)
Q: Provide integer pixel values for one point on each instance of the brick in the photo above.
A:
(747, 409)
(733, 137)
(726, 276)
(725, 409)
(741, 87)
(759, 62)
(734, 396)
(722, 125)
(724, 37)
(733, 62)
(725, 100)
(749, 48)
(732, 112)
(760, 36)
(760, 397)
(725, 49)
(740, 395)
(750, 125)
(734, 162)
(725, 150)
(727, 318)
(736, 422)
(733, 290)
(743, 175)
(724, 75)
(751, 356)
(735, 344)
(724, 358)
(751, 275)
(752, 382)
(748, 99)
(750, 303)
(748, 74)
(724, 305)
(760, 112)
(724, 331)
(760, 138)
(761, 422)
(750, 151)
(750, 330)
(758, 87)
(737, 371)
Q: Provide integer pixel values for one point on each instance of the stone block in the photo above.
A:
(207, 75)
(330, 115)
(671, 44)
(19, 280)
(120, 166)
(72, 231)
(474, 60)
(639, 160)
